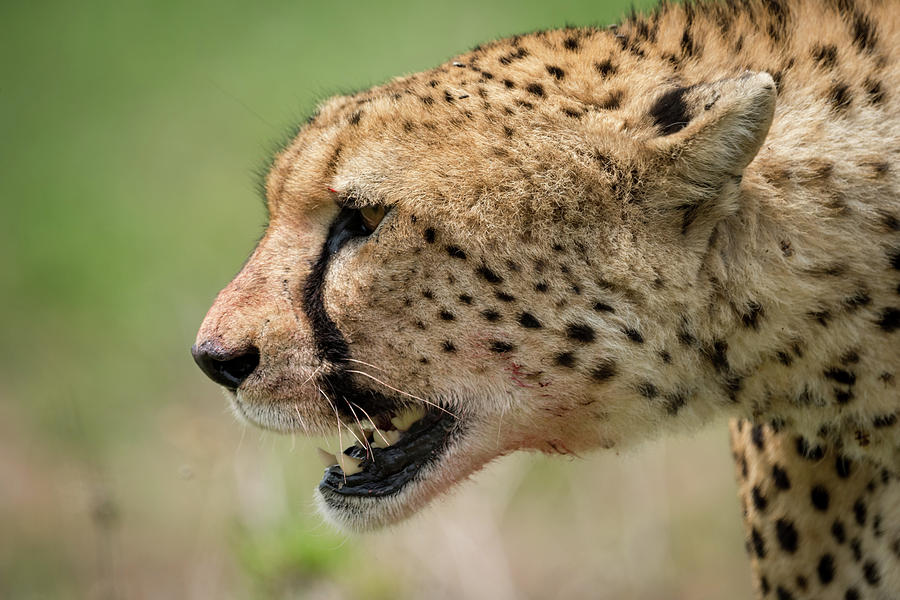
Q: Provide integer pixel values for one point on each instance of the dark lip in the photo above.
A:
(385, 471)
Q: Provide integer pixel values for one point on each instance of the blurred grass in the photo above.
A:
(130, 133)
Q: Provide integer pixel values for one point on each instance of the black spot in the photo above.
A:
(685, 338)
(780, 478)
(604, 370)
(605, 68)
(528, 320)
(674, 403)
(556, 72)
(514, 55)
(839, 96)
(489, 275)
(850, 357)
(456, 252)
(825, 55)
(890, 319)
(565, 359)
(501, 347)
(509, 84)
(669, 112)
(859, 299)
(428, 294)
(647, 390)
(783, 594)
(822, 316)
(759, 500)
(447, 315)
(491, 315)
(756, 435)
(875, 91)
(826, 569)
(354, 118)
(580, 332)
(535, 88)
(759, 545)
(856, 549)
(838, 532)
(612, 101)
(717, 355)
(504, 297)
(570, 112)
(840, 375)
(894, 258)
(820, 498)
(751, 317)
(784, 358)
(860, 512)
(465, 298)
(808, 452)
(570, 43)
(541, 287)
(665, 356)
(864, 33)
(882, 421)
(843, 396)
(448, 346)
(764, 585)
(787, 535)
(429, 235)
(872, 574)
(634, 335)
(603, 307)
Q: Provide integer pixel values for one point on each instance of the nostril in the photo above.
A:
(228, 369)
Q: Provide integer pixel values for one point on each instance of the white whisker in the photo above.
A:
(359, 424)
(378, 431)
(367, 364)
(440, 408)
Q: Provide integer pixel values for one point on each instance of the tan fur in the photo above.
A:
(740, 264)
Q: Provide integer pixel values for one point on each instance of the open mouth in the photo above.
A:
(388, 453)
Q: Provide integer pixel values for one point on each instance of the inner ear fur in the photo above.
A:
(708, 134)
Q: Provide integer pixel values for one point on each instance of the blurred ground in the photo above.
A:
(129, 133)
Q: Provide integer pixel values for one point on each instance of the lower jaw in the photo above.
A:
(384, 472)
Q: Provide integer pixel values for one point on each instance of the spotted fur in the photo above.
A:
(596, 235)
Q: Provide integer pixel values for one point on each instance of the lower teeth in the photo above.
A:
(380, 439)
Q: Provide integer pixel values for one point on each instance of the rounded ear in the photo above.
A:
(715, 127)
(709, 133)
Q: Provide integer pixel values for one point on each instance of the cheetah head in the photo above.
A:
(457, 267)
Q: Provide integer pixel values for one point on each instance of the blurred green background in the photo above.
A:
(129, 135)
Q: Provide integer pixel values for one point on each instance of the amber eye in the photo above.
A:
(372, 216)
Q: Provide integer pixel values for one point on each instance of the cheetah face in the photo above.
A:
(446, 285)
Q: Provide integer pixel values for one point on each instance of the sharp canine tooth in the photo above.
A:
(404, 420)
(390, 438)
(328, 459)
(349, 465)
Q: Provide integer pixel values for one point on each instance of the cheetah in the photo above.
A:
(584, 238)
